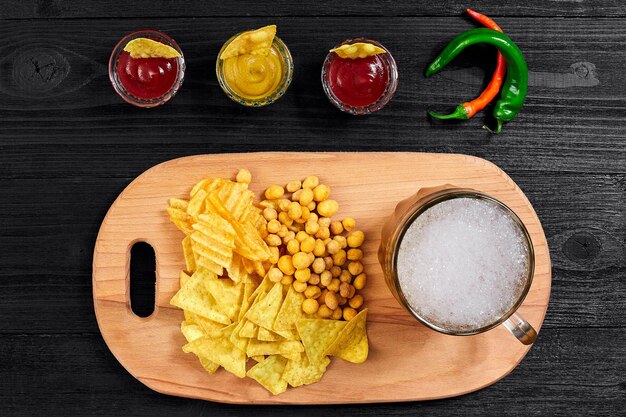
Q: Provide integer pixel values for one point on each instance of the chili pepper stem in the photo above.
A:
(458, 113)
(498, 128)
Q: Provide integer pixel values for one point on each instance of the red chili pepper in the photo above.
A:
(469, 109)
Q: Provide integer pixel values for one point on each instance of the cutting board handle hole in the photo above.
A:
(142, 279)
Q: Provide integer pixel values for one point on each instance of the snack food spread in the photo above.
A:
(306, 306)
(252, 65)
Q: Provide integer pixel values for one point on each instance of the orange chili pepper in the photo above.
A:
(468, 109)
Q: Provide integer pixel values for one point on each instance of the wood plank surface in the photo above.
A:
(411, 362)
(47, 9)
(68, 146)
(55, 84)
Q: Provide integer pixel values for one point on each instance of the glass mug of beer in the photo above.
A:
(460, 261)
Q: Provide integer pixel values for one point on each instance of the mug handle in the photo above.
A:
(521, 329)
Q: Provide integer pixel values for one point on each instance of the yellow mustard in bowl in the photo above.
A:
(255, 68)
(254, 76)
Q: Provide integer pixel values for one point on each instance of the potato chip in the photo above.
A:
(237, 199)
(248, 242)
(264, 311)
(199, 186)
(358, 50)
(181, 219)
(195, 298)
(179, 203)
(148, 48)
(212, 243)
(236, 270)
(317, 335)
(190, 259)
(259, 358)
(351, 343)
(197, 203)
(269, 373)
(254, 42)
(219, 349)
(302, 372)
(290, 311)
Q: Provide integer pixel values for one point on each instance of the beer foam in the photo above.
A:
(462, 264)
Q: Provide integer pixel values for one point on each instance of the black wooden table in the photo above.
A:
(69, 145)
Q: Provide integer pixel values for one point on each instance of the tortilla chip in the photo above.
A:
(264, 311)
(219, 349)
(317, 335)
(269, 374)
(290, 311)
(227, 295)
(195, 298)
(267, 335)
(249, 285)
(207, 326)
(351, 343)
(256, 347)
(248, 329)
(192, 332)
(302, 372)
(236, 339)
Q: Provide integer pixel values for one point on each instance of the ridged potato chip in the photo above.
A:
(181, 219)
(269, 373)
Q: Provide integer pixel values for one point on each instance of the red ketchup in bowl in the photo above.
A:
(360, 85)
(146, 78)
(358, 82)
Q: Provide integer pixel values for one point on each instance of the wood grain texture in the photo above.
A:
(55, 84)
(50, 9)
(68, 147)
(411, 362)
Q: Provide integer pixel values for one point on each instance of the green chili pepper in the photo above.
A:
(516, 82)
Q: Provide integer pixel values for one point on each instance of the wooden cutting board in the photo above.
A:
(406, 362)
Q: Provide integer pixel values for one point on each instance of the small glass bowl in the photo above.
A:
(285, 81)
(392, 85)
(119, 87)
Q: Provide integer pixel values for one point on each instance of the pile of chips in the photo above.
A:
(230, 317)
